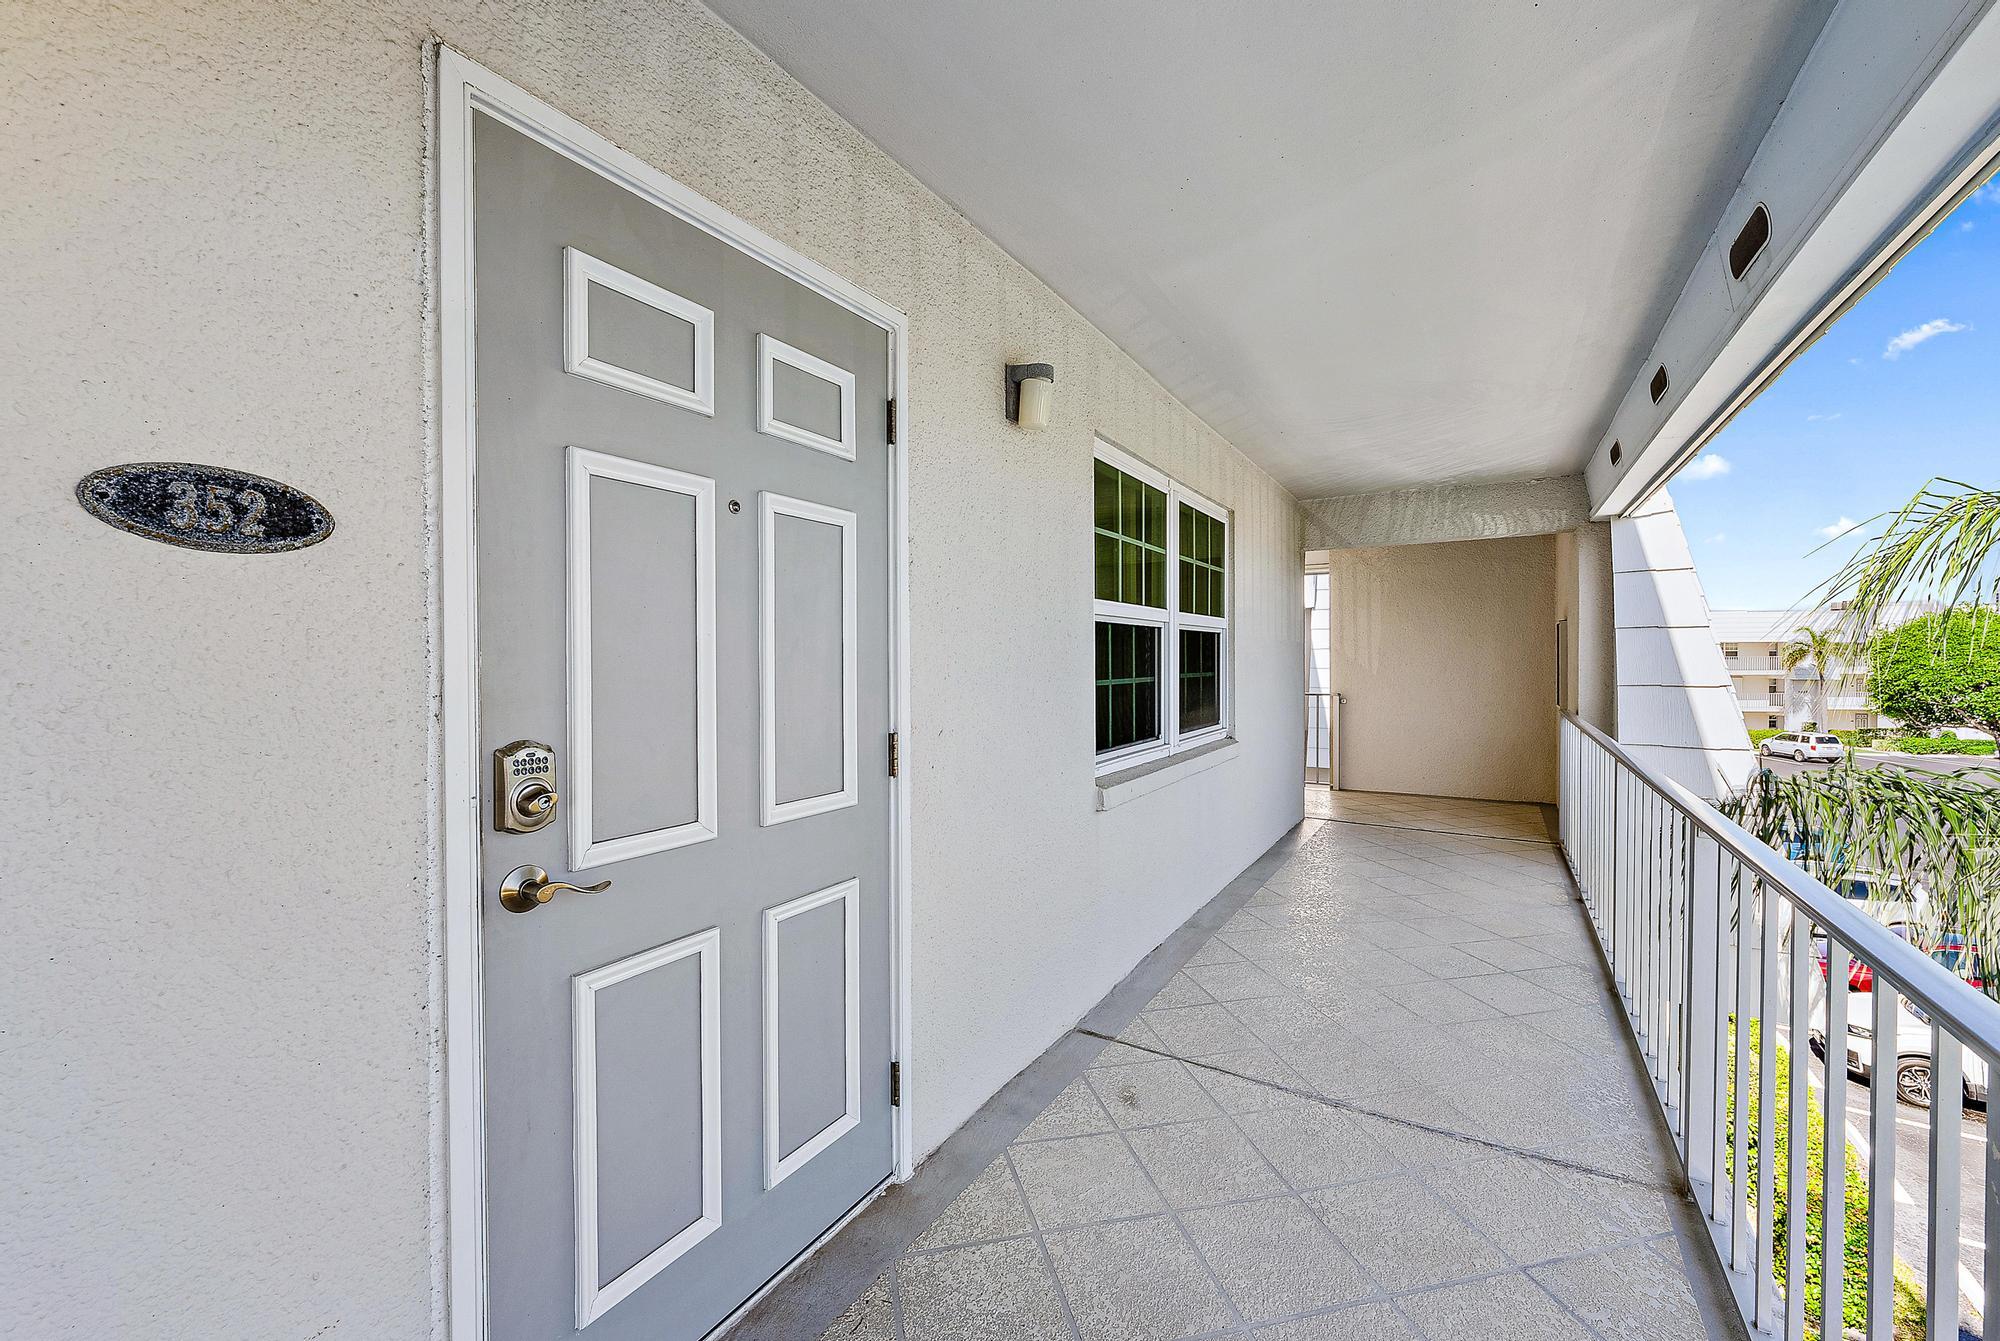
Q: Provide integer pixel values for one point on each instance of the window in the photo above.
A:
(1162, 613)
(1730, 651)
(1773, 687)
(1771, 722)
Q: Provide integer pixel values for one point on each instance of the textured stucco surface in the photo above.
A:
(218, 997)
(1583, 598)
(1676, 709)
(1445, 655)
(1446, 512)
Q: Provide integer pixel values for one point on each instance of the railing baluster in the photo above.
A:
(1710, 939)
(1796, 1126)
(1833, 1251)
(1723, 1195)
(1739, 1207)
(1882, 1163)
(1989, 1315)
(1767, 1099)
(1941, 1257)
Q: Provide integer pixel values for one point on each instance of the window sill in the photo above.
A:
(1129, 784)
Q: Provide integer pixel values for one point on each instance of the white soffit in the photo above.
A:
(1376, 245)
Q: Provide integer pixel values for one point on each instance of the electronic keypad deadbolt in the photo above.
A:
(524, 787)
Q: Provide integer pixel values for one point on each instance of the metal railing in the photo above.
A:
(1711, 935)
(1320, 736)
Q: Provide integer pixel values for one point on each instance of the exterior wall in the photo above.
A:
(1675, 708)
(222, 997)
(1757, 663)
(1583, 602)
(1446, 656)
(1447, 512)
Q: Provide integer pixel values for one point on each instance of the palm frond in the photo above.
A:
(1943, 546)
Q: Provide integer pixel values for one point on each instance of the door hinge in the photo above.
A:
(892, 421)
(895, 755)
(895, 1084)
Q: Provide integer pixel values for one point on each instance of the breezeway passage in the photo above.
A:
(1389, 1096)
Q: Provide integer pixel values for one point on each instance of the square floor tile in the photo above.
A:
(1137, 1281)
(1251, 1081)
(1314, 1145)
(1183, 989)
(1191, 1031)
(872, 1317)
(1234, 982)
(1403, 1234)
(1083, 1179)
(1358, 1322)
(1200, 1163)
(1146, 1093)
(989, 1208)
(1499, 1308)
(1074, 1112)
(1629, 1294)
(1275, 1258)
(1528, 1214)
(990, 1292)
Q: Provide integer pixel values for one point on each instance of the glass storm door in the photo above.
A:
(684, 582)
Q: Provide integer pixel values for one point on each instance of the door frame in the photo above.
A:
(462, 87)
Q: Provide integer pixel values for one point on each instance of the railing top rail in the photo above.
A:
(1966, 1012)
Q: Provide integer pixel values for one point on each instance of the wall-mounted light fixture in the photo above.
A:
(1031, 389)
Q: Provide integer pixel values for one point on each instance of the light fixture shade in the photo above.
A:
(1031, 389)
(1038, 396)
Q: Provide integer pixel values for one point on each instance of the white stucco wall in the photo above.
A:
(1445, 655)
(1445, 512)
(1676, 710)
(1583, 598)
(218, 991)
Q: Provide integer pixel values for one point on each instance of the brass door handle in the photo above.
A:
(527, 888)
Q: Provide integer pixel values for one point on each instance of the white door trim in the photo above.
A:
(771, 810)
(464, 87)
(585, 848)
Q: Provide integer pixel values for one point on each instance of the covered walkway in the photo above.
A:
(1384, 1092)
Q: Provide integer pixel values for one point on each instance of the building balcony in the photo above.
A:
(1401, 1079)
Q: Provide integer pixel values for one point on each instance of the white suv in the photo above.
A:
(1803, 745)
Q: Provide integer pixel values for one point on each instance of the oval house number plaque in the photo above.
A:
(204, 507)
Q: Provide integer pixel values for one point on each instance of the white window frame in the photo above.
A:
(1171, 740)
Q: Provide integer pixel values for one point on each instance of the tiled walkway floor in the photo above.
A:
(1390, 1098)
(1494, 819)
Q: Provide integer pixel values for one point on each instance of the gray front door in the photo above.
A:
(683, 490)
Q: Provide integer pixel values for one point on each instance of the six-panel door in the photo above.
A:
(683, 490)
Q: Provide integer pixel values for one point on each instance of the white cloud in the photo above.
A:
(1839, 528)
(1704, 467)
(1717, 538)
(1823, 418)
(1916, 335)
(1988, 194)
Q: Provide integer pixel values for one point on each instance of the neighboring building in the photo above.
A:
(1773, 698)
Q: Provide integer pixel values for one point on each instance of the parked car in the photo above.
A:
(1800, 746)
(1913, 1029)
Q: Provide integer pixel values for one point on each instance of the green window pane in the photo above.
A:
(1107, 567)
(1128, 685)
(1200, 679)
(1156, 517)
(1107, 498)
(1155, 593)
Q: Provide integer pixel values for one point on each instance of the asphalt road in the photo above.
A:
(1913, 1198)
(1929, 763)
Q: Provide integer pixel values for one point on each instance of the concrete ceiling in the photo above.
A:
(1376, 243)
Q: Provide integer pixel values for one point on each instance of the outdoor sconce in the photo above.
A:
(1031, 389)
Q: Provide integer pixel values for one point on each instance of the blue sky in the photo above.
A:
(1903, 388)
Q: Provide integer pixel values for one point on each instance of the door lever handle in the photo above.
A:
(527, 888)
